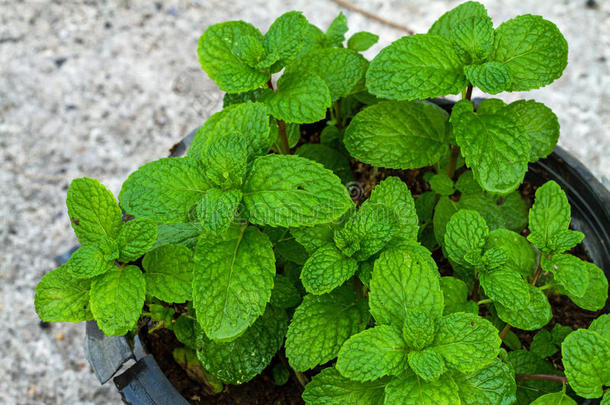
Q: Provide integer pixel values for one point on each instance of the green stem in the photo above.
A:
(547, 377)
(453, 157)
(303, 380)
(546, 286)
(284, 146)
(485, 301)
(504, 331)
(338, 116)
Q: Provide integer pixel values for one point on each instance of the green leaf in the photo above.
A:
(330, 158)
(596, 295)
(291, 250)
(326, 270)
(493, 148)
(586, 355)
(225, 160)
(466, 341)
(427, 364)
(549, 215)
(455, 293)
(565, 240)
(467, 184)
(216, 210)
(169, 273)
(329, 387)
(465, 237)
(559, 333)
(116, 299)
(511, 213)
(493, 384)
(284, 294)
(524, 362)
(448, 21)
(136, 238)
(491, 106)
(533, 49)
(569, 271)
(538, 123)
(394, 194)
(227, 69)
(542, 344)
(601, 325)
(249, 49)
(402, 282)
(335, 34)
(164, 190)
(340, 68)
(239, 98)
(398, 135)
(93, 211)
(441, 184)
(444, 210)
(242, 359)
(418, 329)
(178, 234)
(362, 40)
(184, 329)
(226, 271)
(473, 38)
(507, 287)
(424, 206)
(410, 390)
(521, 255)
(292, 191)
(491, 77)
(285, 36)
(62, 298)
(93, 259)
(313, 237)
(533, 316)
(299, 98)
(372, 354)
(416, 67)
(556, 398)
(320, 326)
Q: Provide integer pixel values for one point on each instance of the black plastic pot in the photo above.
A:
(143, 382)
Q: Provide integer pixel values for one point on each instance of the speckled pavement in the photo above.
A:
(98, 87)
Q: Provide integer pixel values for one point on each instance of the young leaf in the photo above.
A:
(427, 364)
(493, 384)
(226, 271)
(416, 67)
(491, 77)
(184, 329)
(467, 342)
(534, 316)
(448, 21)
(242, 359)
(372, 354)
(585, 356)
(329, 387)
(320, 326)
(556, 398)
(164, 190)
(596, 295)
(549, 215)
(402, 282)
(313, 237)
(222, 64)
(335, 34)
(225, 160)
(569, 271)
(441, 184)
(93, 259)
(169, 273)
(394, 194)
(326, 270)
(93, 211)
(521, 255)
(217, 209)
(473, 38)
(398, 135)
(293, 191)
(361, 41)
(117, 298)
(418, 329)
(465, 236)
(299, 98)
(565, 240)
(62, 298)
(507, 287)
(285, 36)
(542, 344)
(410, 390)
(136, 238)
(533, 49)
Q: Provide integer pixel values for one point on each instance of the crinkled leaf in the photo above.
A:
(361, 41)
(418, 329)
(329, 387)
(565, 240)
(326, 270)
(601, 325)
(284, 294)
(285, 36)
(136, 238)
(491, 77)
(521, 255)
(493, 384)
(444, 210)
(542, 344)
(398, 135)
(329, 157)
(585, 356)
(291, 250)
(169, 273)
(549, 215)
(465, 236)
(93, 259)
(596, 295)
(556, 398)
(534, 315)
(179, 234)
(441, 184)
(335, 34)
(411, 390)
(448, 21)
(427, 364)
(507, 287)
(511, 213)
(217, 209)
(249, 49)
(473, 38)
(313, 237)
(62, 298)
(225, 160)
(569, 271)
(524, 362)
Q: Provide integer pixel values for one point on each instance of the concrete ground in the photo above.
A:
(98, 87)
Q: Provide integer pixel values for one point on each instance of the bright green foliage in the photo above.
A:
(465, 237)
(416, 67)
(225, 159)
(216, 210)
(506, 287)
(510, 212)
(534, 315)
(329, 387)
(93, 259)
(398, 135)
(179, 234)
(285, 36)
(556, 398)
(93, 211)
(418, 329)
(491, 77)
(451, 19)
(533, 49)
(441, 184)
(569, 271)
(596, 295)
(329, 158)
(427, 364)
(169, 273)
(455, 293)
(543, 344)
(361, 41)
(394, 194)
(443, 211)
(335, 34)
(293, 191)
(60, 297)
(524, 362)
(136, 238)
(410, 390)
(520, 254)
(326, 270)
(116, 299)
(226, 271)
(549, 216)
(473, 38)
(313, 237)
(493, 384)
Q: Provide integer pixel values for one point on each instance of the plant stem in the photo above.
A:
(453, 157)
(468, 92)
(504, 331)
(548, 377)
(303, 380)
(486, 301)
(285, 146)
(537, 276)
(358, 288)
(338, 116)
(546, 286)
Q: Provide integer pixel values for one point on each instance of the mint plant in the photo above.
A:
(251, 252)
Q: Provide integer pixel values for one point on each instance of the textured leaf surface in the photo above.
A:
(62, 298)
(329, 387)
(556, 398)
(136, 238)
(543, 345)
(493, 384)
(596, 295)
(466, 341)
(455, 293)
(284, 295)
(93, 211)
(398, 135)
(329, 157)
(533, 49)
(491, 77)
(465, 236)
(169, 273)
(586, 356)
(326, 270)
(411, 390)
(427, 364)
(184, 329)
(448, 21)
(232, 282)
(292, 191)
(473, 38)
(242, 359)
(224, 159)
(313, 237)
(521, 255)
(533, 316)
(441, 184)
(539, 123)
(285, 36)
(216, 210)
(217, 58)
(320, 326)
(164, 190)
(416, 67)
(549, 215)
(362, 40)
(569, 271)
(402, 282)
(506, 286)
(444, 210)
(372, 354)
(117, 298)
(179, 234)
(335, 34)
(94, 258)
(524, 362)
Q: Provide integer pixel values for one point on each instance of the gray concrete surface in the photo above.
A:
(96, 88)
